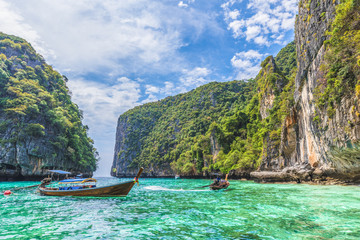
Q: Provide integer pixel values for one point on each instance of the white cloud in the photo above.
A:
(287, 23)
(11, 22)
(261, 40)
(182, 4)
(151, 89)
(234, 14)
(189, 80)
(150, 98)
(236, 26)
(194, 78)
(185, 5)
(169, 86)
(103, 103)
(252, 32)
(106, 35)
(247, 64)
(269, 17)
(167, 90)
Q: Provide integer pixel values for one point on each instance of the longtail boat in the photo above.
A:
(87, 188)
(220, 184)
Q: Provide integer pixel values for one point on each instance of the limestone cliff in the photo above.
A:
(271, 82)
(299, 119)
(40, 128)
(178, 134)
(320, 128)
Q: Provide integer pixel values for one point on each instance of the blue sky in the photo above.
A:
(118, 54)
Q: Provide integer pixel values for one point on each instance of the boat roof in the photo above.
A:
(59, 171)
(78, 180)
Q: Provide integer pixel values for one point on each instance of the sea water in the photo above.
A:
(181, 209)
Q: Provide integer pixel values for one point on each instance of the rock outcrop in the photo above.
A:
(271, 85)
(271, 82)
(309, 135)
(40, 128)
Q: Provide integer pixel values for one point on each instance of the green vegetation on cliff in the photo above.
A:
(218, 126)
(342, 68)
(271, 102)
(341, 81)
(35, 105)
(164, 131)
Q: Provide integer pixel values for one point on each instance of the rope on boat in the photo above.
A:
(36, 185)
(43, 183)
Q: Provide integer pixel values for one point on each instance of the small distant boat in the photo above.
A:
(220, 184)
(87, 187)
(177, 176)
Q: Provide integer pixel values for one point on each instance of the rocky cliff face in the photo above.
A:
(299, 143)
(271, 83)
(40, 128)
(310, 134)
(157, 135)
(126, 152)
(314, 19)
(301, 121)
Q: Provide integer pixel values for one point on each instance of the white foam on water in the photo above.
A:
(158, 188)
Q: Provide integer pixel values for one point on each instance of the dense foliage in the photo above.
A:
(342, 67)
(286, 59)
(260, 134)
(164, 131)
(35, 103)
(216, 127)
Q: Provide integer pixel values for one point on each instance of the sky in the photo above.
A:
(118, 54)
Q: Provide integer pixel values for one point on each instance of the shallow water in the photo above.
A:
(176, 209)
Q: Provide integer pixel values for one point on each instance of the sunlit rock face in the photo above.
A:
(309, 135)
(301, 143)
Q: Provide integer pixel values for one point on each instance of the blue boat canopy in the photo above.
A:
(59, 171)
(78, 180)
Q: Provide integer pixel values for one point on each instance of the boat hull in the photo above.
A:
(218, 187)
(117, 190)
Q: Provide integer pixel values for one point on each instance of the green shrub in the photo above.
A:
(35, 130)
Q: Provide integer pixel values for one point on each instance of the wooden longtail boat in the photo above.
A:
(222, 184)
(86, 188)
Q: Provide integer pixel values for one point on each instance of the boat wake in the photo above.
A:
(158, 188)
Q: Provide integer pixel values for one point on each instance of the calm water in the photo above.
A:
(175, 209)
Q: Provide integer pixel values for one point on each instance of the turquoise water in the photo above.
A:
(176, 209)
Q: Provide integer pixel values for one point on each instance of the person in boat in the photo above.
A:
(217, 181)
